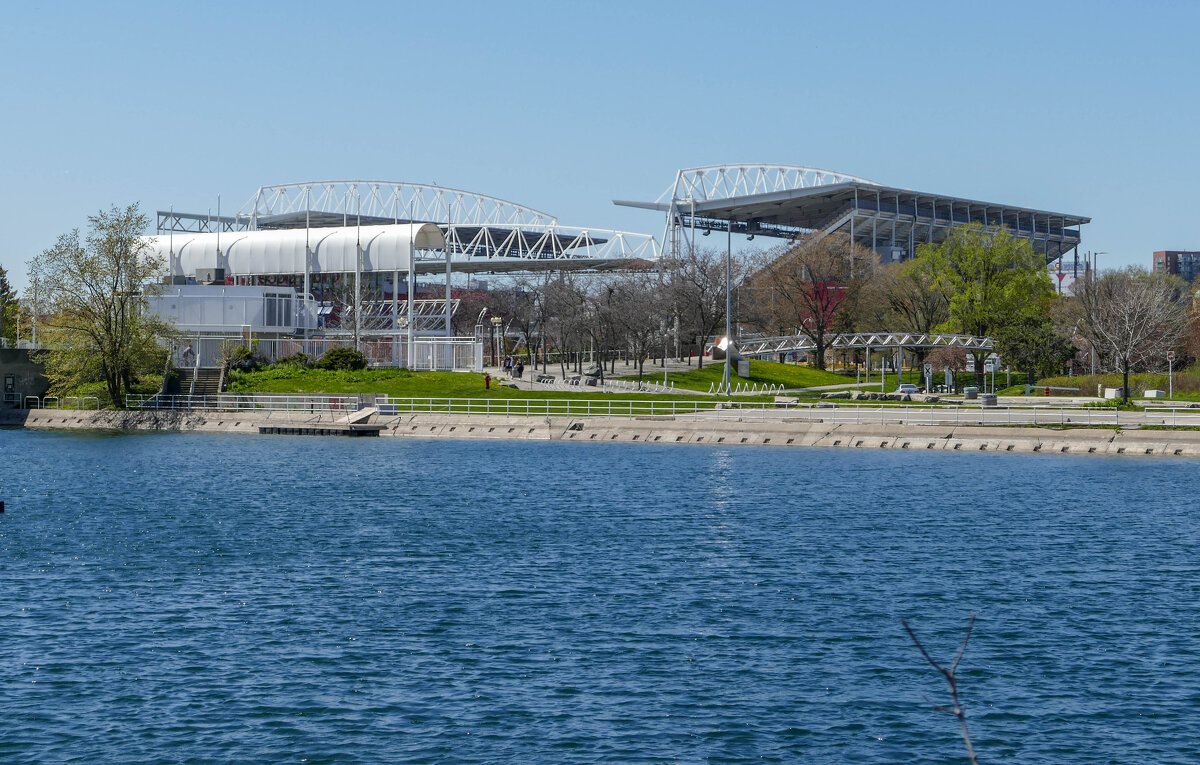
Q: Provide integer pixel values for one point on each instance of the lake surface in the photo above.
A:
(288, 599)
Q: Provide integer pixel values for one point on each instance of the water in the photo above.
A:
(185, 598)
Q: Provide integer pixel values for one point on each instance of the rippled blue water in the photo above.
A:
(271, 599)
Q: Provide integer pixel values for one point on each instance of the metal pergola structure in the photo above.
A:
(757, 346)
(483, 233)
(789, 202)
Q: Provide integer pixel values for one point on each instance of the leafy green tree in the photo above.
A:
(1032, 344)
(992, 279)
(8, 308)
(91, 302)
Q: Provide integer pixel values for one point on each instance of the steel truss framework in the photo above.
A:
(756, 346)
(476, 226)
(790, 202)
(385, 317)
(731, 181)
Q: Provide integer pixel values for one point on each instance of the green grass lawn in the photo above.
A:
(761, 373)
(1187, 384)
(401, 383)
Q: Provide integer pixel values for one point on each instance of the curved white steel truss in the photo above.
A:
(730, 181)
(477, 227)
(389, 200)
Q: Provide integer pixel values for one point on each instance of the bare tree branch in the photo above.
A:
(949, 674)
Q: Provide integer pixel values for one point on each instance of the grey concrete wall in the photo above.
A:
(663, 430)
(28, 376)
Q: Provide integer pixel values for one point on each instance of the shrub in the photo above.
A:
(295, 360)
(234, 356)
(342, 358)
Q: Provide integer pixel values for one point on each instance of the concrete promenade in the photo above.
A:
(784, 430)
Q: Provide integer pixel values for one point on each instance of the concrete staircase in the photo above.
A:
(207, 381)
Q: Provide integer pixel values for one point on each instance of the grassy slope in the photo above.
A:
(1187, 384)
(399, 383)
(761, 372)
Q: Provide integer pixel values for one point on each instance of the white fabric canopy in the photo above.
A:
(334, 250)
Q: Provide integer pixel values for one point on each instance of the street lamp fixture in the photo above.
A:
(496, 322)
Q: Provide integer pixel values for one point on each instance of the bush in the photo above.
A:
(235, 356)
(342, 358)
(295, 360)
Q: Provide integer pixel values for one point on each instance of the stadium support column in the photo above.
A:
(307, 246)
(412, 294)
(449, 238)
(358, 271)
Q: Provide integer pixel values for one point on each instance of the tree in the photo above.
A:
(8, 308)
(91, 297)
(1131, 317)
(803, 289)
(696, 286)
(1034, 345)
(991, 279)
(916, 299)
(636, 299)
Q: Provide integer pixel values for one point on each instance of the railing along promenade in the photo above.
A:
(746, 411)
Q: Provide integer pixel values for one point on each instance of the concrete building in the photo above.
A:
(1182, 263)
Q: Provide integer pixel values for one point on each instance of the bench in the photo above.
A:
(545, 379)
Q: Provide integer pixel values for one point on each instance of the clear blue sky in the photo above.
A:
(1079, 107)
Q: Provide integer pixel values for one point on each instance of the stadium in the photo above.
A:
(305, 266)
(789, 202)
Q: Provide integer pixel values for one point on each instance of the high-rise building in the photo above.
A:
(1182, 263)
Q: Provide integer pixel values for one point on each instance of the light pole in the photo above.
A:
(726, 377)
(496, 322)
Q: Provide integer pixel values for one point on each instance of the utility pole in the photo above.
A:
(726, 379)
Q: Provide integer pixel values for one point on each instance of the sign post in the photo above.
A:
(1170, 374)
(928, 377)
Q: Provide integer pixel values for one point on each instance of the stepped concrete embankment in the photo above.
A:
(655, 429)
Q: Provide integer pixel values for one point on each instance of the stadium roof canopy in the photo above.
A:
(481, 233)
(789, 202)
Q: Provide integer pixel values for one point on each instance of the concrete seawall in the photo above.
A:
(664, 429)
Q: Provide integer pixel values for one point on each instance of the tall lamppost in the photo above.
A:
(726, 377)
(496, 322)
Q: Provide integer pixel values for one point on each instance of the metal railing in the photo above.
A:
(236, 402)
(751, 411)
(87, 403)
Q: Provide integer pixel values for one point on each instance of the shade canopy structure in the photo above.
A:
(482, 233)
(791, 202)
(333, 250)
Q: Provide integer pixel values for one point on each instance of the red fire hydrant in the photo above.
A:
(487, 381)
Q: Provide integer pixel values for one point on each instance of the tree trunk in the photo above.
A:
(1125, 390)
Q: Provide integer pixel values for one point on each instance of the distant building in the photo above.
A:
(1182, 263)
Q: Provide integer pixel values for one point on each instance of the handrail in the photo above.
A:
(763, 411)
